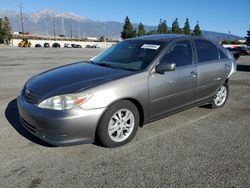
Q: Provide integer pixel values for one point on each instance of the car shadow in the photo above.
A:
(244, 68)
(12, 115)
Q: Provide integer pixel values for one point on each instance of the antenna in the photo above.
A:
(21, 15)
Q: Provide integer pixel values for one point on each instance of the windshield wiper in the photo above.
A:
(91, 62)
(128, 69)
(112, 66)
(107, 65)
(102, 64)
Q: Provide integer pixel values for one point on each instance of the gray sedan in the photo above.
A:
(129, 85)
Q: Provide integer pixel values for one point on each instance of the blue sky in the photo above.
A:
(213, 15)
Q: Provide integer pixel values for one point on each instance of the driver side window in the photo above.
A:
(180, 53)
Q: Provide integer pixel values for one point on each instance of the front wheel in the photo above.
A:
(118, 125)
(220, 97)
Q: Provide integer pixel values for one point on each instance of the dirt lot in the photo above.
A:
(199, 147)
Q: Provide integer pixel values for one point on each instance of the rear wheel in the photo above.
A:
(220, 97)
(118, 125)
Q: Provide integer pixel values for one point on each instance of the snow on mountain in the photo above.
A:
(36, 16)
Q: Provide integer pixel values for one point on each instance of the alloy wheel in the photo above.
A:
(121, 125)
(220, 97)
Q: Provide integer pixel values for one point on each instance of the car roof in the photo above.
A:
(166, 37)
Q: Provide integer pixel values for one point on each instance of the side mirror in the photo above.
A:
(163, 67)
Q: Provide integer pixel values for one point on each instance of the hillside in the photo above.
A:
(41, 23)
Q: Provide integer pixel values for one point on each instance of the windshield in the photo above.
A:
(134, 55)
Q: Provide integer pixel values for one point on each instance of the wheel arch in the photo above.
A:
(137, 104)
(139, 108)
(227, 80)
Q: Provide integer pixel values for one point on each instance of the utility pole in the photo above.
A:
(63, 28)
(21, 16)
(71, 33)
(79, 31)
(105, 39)
(54, 28)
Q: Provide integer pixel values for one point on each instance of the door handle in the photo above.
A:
(193, 74)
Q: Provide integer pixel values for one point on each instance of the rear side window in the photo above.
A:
(206, 50)
(222, 54)
(180, 54)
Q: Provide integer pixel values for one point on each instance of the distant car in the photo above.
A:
(90, 46)
(133, 83)
(66, 45)
(230, 49)
(243, 50)
(77, 46)
(235, 53)
(46, 45)
(38, 45)
(56, 45)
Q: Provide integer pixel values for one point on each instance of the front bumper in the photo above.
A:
(59, 128)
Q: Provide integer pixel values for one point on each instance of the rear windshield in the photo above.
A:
(134, 55)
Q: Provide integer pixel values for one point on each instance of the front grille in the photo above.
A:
(31, 97)
(28, 126)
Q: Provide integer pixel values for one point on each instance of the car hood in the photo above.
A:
(72, 78)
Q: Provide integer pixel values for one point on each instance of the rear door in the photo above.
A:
(173, 89)
(212, 71)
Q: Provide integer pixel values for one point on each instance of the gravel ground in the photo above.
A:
(199, 147)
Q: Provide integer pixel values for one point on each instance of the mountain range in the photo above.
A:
(44, 21)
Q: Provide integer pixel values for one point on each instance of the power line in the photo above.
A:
(16, 4)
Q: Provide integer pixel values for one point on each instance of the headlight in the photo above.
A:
(64, 102)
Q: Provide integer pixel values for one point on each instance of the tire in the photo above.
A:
(220, 98)
(113, 129)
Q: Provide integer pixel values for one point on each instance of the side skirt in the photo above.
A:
(200, 103)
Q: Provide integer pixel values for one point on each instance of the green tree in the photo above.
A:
(175, 26)
(141, 30)
(152, 32)
(1, 32)
(5, 30)
(248, 37)
(128, 30)
(186, 28)
(197, 30)
(162, 27)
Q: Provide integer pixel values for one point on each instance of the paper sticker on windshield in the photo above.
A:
(151, 46)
